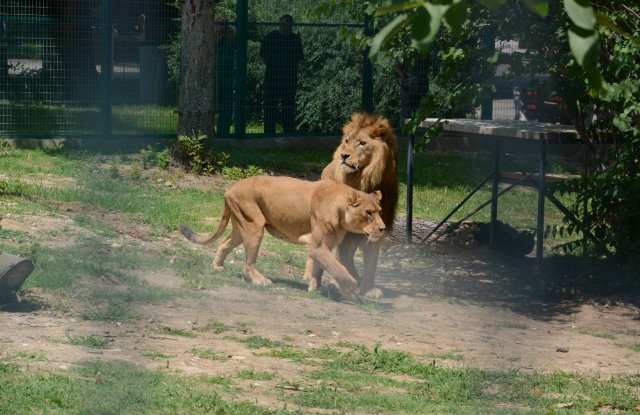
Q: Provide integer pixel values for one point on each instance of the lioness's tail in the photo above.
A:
(205, 238)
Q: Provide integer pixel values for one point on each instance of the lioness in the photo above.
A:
(315, 213)
(366, 159)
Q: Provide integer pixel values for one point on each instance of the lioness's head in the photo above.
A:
(366, 140)
(363, 214)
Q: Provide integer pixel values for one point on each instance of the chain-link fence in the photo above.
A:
(104, 68)
(85, 68)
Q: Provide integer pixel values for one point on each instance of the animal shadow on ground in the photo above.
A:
(541, 289)
(26, 303)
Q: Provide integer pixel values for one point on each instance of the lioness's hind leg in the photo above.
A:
(226, 246)
(308, 270)
(316, 275)
(252, 237)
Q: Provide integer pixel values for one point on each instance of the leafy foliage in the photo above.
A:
(238, 173)
(591, 52)
(607, 119)
(199, 157)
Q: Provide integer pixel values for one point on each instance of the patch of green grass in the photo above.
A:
(290, 353)
(176, 332)
(112, 313)
(208, 354)
(309, 162)
(632, 346)
(253, 374)
(511, 325)
(452, 355)
(215, 326)
(157, 355)
(31, 355)
(66, 268)
(601, 335)
(257, 342)
(98, 387)
(360, 381)
(92, 341)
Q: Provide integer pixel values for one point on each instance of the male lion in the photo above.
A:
(315, 213)
(366, 160)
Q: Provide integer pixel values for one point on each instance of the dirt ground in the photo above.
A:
(470, 308)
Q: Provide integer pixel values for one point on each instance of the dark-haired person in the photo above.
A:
(281, 52)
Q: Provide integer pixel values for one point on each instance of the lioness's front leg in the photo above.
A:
(347, 285)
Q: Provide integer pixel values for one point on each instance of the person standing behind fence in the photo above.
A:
(224, 48)
(414, 85)
(281, 52)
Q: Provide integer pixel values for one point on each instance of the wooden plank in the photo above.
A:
(514, 176)
(507, 129)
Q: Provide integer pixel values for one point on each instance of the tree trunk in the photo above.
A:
(195, 107)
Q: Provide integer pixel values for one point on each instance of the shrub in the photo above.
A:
(198, 157)
(238, 173)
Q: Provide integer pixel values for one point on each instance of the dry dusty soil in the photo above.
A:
(468, 308)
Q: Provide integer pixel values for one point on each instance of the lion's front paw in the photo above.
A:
(349, 291)
(372, 294)
(218, 267)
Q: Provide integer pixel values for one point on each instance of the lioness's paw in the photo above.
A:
(349, 292)
(263, 281)
(218, 267)
(372, 294)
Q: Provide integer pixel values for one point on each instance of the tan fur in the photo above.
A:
(366, 159)
(315, 213)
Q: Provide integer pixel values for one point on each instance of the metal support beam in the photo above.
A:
(241, 68)
(541, 196)
(494, 192)
(106, 69)
(367, 70)
(409, 224)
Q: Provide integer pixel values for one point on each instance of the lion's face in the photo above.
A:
(356, 151)
(363, 215)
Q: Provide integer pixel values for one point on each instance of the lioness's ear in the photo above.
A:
(354, 199)
(378, 195)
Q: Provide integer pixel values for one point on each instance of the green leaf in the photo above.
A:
(584, 46)
(398, 6)
(609, 24)
(456, 16)
(581, 13)
(541, 7)
(493, 58)
(427, 22)
(493, 4)
(387, 32)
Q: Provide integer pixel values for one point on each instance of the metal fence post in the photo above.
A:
(367, 70)
(489, 42)
(106, 69)
(241, 68)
